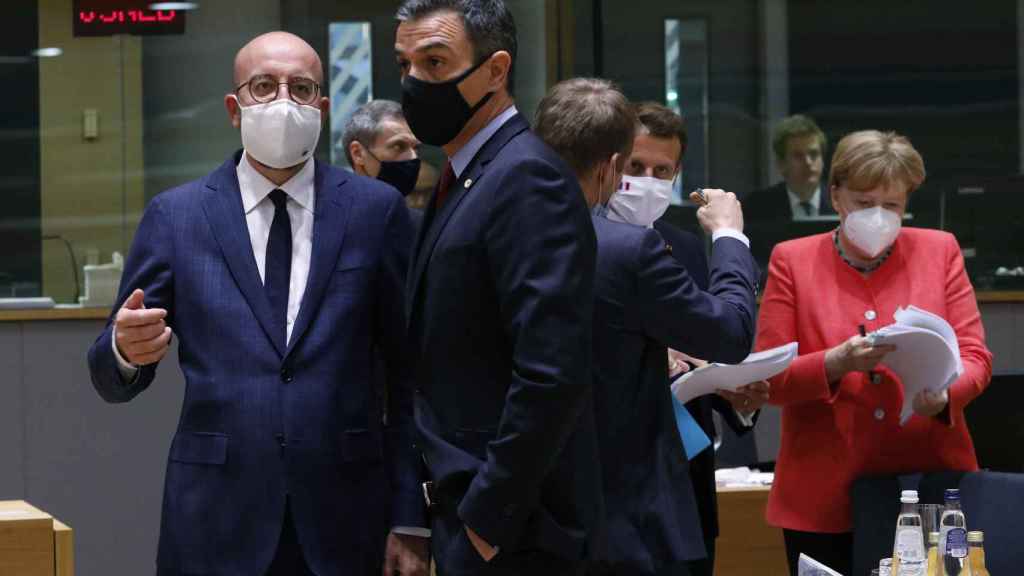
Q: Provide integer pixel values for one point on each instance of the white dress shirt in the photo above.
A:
(798, 211)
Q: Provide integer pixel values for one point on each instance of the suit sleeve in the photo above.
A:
(963, 315)
(407, 506)
(805, 379)
(541, 246)
(717, 325)
(148, 267)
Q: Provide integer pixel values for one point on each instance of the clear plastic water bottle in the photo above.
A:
(885, 567)
(908, 554)
(953, 538)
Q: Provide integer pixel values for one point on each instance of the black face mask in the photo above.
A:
(401, 174)
(436, 111)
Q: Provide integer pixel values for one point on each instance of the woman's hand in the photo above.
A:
(930, 404)
(855, 355)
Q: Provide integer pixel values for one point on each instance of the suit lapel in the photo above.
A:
(435, 220)
(226, 216)
(329, 223)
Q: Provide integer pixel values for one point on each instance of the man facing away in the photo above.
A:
(500, 297)
(279, 275)
(645, 302)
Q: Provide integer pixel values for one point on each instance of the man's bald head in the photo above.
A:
(280, 54)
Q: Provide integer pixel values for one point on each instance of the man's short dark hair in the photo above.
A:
(795, 126)
(364, 125)
(488, 23)
(586, 120)
(663, 122)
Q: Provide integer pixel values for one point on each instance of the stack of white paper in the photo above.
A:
(810, 567)
(927, 354)
(713, 377)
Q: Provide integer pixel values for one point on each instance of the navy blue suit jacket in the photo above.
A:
(688, 249)
(645, 302)
(262, 420)
(500, 299)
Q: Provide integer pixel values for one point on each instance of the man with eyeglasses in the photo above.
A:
(279, 275)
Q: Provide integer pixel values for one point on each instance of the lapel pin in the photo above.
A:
(467, 183)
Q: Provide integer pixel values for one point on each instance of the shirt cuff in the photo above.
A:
(745, 419)
(730, 233)
(412, 531)
(128, 370)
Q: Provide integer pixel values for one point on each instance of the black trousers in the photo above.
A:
(832, 550)
(288, 560)
(706, 566)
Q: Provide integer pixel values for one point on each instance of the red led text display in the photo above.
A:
(109, 17)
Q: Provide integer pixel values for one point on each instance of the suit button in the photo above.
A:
(510, 511)
(879, 414)
(870, 315)
(281, 440)
(876, 378)
(286, 375)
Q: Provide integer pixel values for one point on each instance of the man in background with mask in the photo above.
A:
(379, 144)
(645, 302)
(500, 300)
(277, 274)
(643, 197)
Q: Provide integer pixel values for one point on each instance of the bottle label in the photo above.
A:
(909, 545)
(956, 543)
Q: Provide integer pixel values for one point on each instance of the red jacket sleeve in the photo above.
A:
(963, 315)
(805, 378)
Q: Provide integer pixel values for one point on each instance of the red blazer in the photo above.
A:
(830, 438)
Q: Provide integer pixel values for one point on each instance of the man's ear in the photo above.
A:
(499, 66)
(356, 150)
(325, 110)
(234, 110)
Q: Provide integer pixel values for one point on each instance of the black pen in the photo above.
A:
(864, 334)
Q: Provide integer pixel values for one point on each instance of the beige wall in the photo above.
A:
(91, 191)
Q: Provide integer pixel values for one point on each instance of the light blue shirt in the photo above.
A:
(460, 161)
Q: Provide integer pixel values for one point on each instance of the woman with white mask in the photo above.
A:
(840, 402)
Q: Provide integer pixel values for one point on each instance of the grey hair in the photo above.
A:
(488, 23)
(364, 125)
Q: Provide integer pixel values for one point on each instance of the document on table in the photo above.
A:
(713, 377)
(927, 354)
(808, 566)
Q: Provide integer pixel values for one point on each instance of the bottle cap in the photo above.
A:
(909, 497)
(933, 538)
(976, 536)
(952, 494)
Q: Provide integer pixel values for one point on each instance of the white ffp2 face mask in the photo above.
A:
(280, 134)
(640, 200)
(872, 230)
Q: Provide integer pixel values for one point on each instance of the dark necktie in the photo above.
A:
(807, 208)
(278, 269)
(447, 177)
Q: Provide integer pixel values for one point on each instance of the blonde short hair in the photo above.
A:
(869, 158)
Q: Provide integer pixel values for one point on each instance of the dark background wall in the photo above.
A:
(949, 82)
(20, 244)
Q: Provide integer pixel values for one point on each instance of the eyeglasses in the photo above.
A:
(263, 88)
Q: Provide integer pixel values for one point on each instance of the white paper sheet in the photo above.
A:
(808, 566)
(927, 353)
(713, 377)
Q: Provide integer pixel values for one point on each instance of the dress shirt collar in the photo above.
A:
(465, 155)
(255, 187)
(794, 202)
